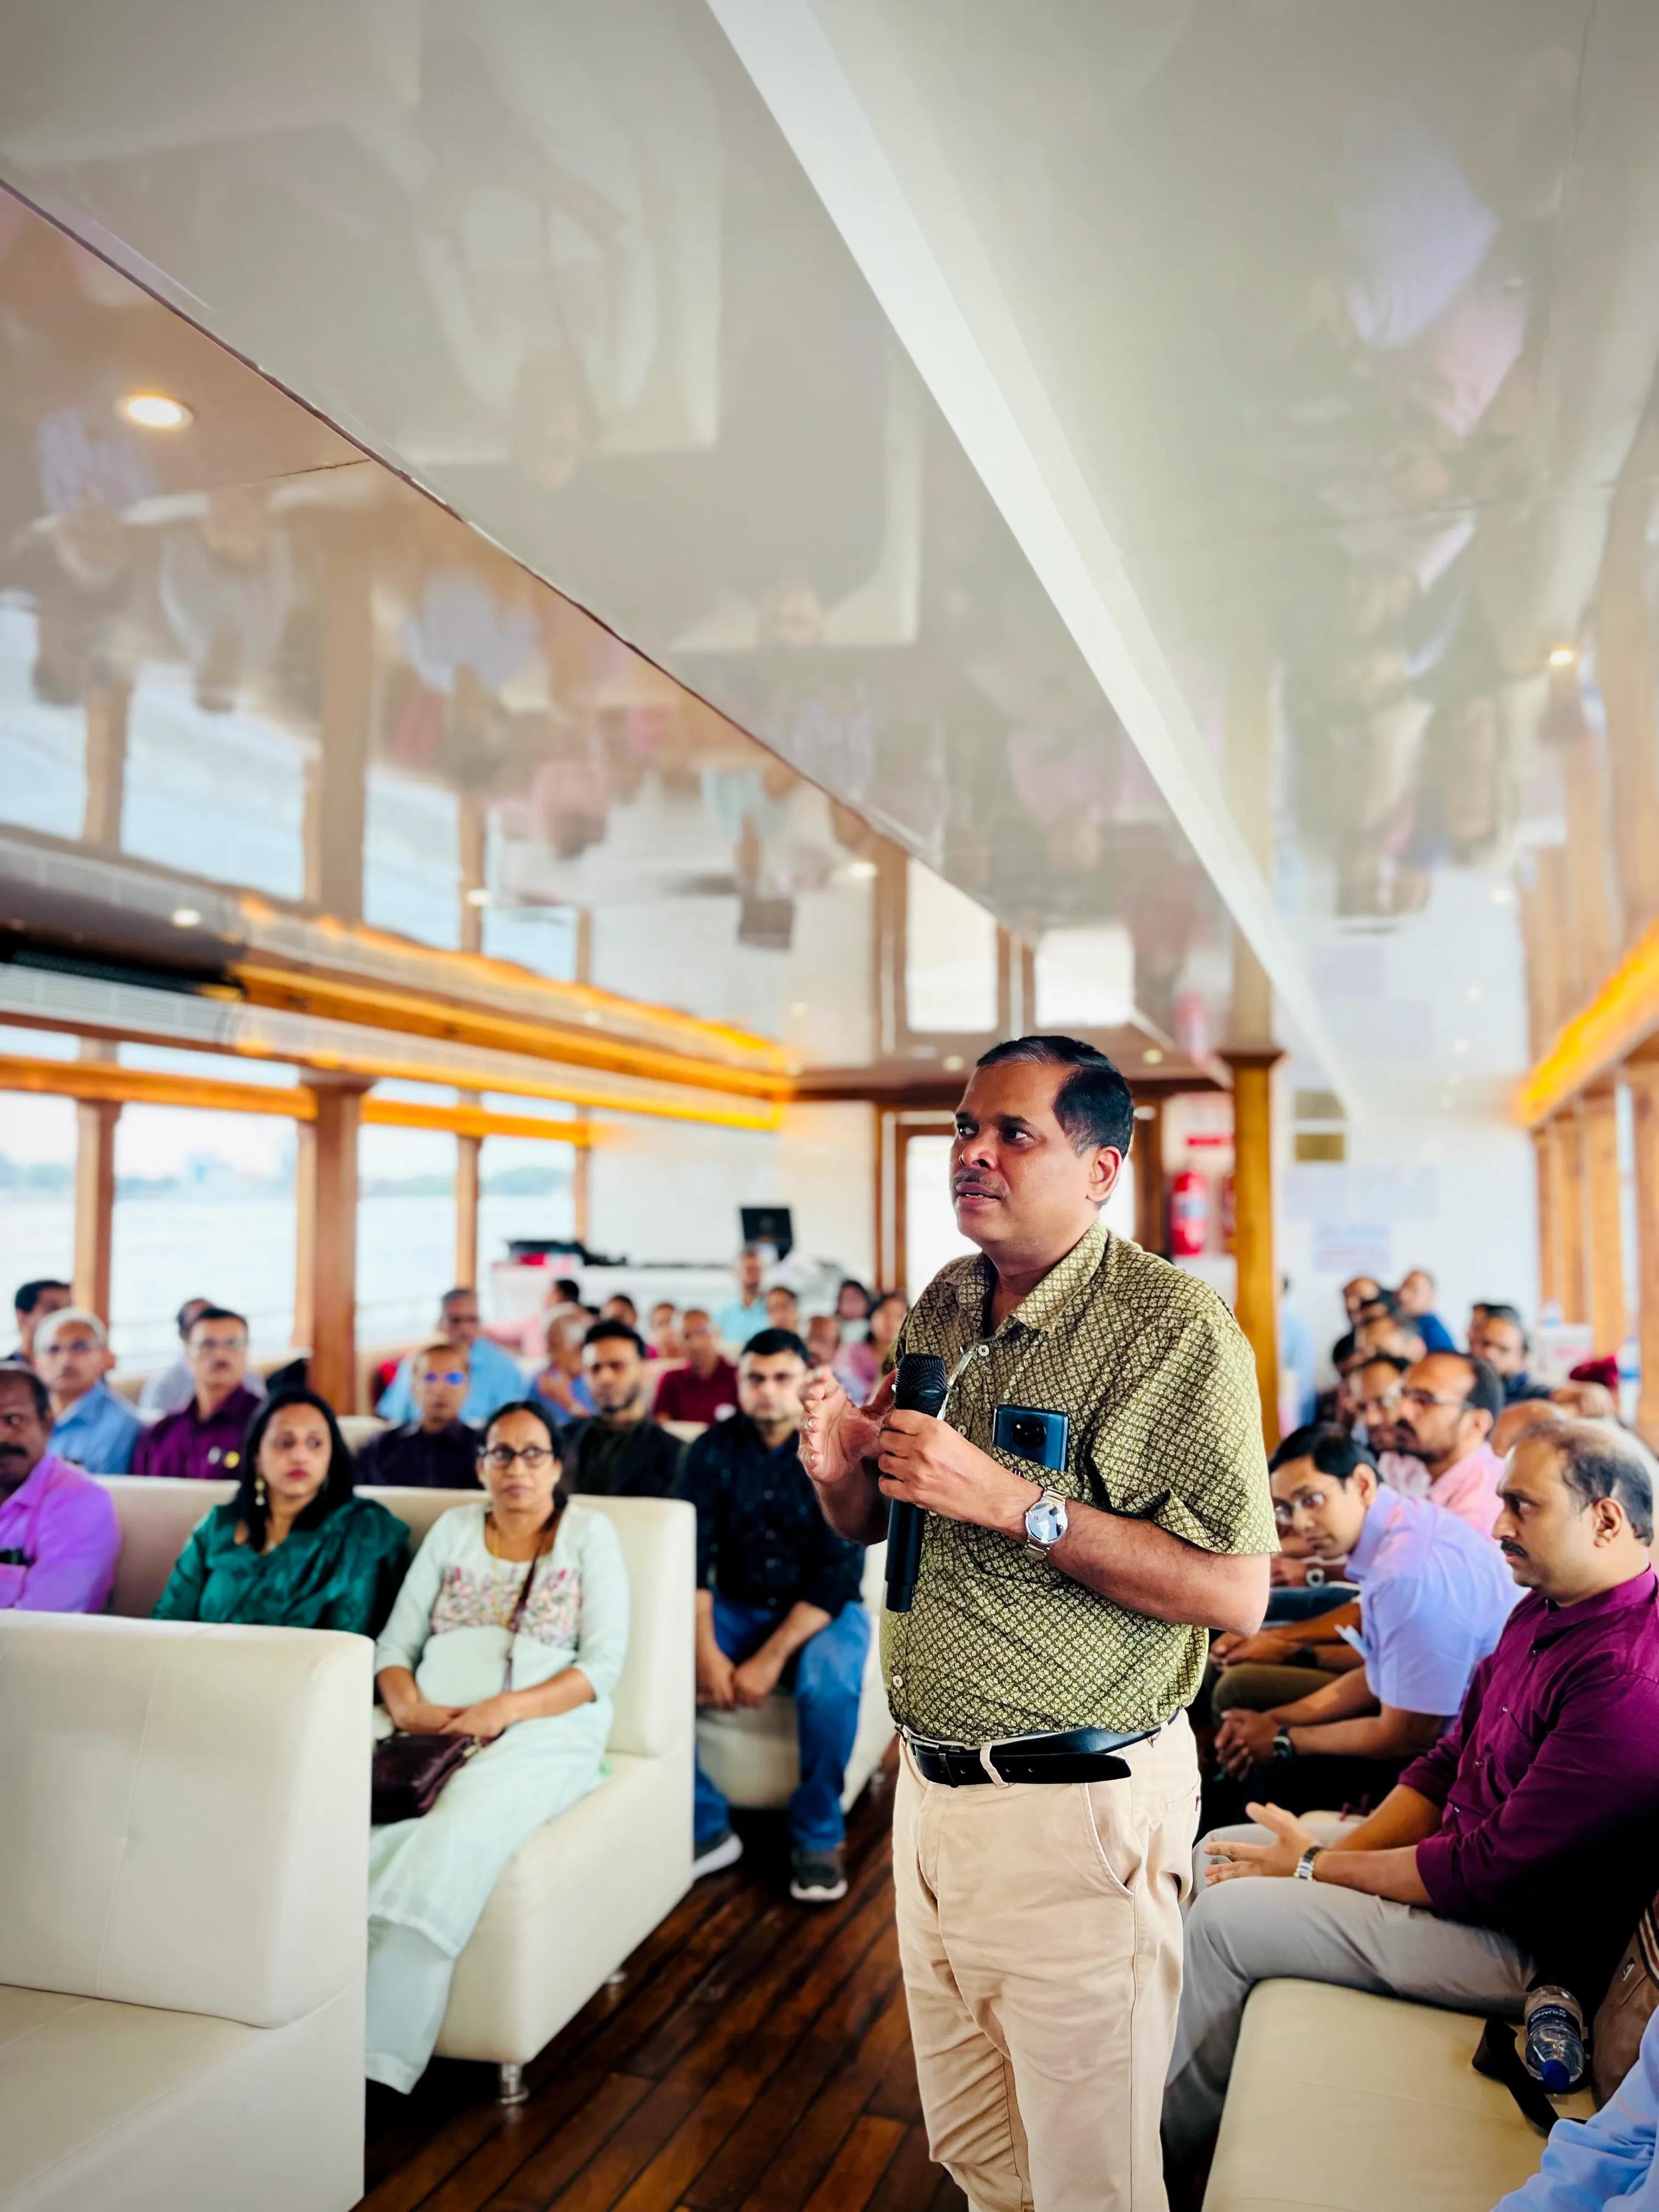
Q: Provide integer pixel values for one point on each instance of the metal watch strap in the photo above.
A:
(1304, 1865)
(1283, 1747)
(1033, 1549)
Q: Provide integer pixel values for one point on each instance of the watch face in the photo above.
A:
(1045, 1523)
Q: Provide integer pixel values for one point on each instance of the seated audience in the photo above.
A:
(1499, 1336)
(1415, 1301)
(1607, 2159)
(436, 1450)
(1374, 1387)
(204, 1442)
(1357, 1293)
(1441, 1447)
(620, 1307)
(1522, 1844)
(783, 1310)
(666, 1341)
(31, 1303)
(1434, 1597)
(1518, 1417)
(866, 1361)
(539, 1699)
(296, 1547)
(59, 1539)
(777, 1605)
(617, 1452)
(1386, 1336)
(91, 1427)
(824, 1348)
(744, 1316)
(561, 1385)
(852, 1311)
(170, 1388)
(706, 1388)
(493, 1379)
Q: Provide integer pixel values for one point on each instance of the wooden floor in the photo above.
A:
(755, 2059)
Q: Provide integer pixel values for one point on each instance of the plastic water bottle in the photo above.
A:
(1555, 2039)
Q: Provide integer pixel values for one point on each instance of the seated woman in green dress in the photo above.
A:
(539, 1700)
(296, 1547)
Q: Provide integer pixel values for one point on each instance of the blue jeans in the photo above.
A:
(826, 1674)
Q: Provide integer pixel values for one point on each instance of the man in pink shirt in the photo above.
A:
(1442, 1431)
(59, 1537)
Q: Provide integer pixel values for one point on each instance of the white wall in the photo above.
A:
(826, 1170)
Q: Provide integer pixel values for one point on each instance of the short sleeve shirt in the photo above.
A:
(1159, 1385)
(1433, 1599)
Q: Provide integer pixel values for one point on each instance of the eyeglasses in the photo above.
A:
(1421, 1397)
(70, 1344)
(220, 1344)
(454, 1375)
(502, 1456)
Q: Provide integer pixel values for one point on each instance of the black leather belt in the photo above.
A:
(1073, 1755)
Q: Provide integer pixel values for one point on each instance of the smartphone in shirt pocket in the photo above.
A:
(1030, 1433)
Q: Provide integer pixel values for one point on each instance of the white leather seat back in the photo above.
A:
(156, 1516)
(197, 1799)
(655, 1712)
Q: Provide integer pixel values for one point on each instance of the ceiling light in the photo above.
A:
(185, 917)
(592, 1020)
(155, 411)
(1152, 1055)
(953, 1063)
(798, 1007)
(1502, 894)
(1563, 656)
(860, 871)
(478, 898)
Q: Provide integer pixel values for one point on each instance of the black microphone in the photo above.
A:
(919, 1386)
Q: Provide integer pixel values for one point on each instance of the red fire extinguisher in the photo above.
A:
(1189, 1214)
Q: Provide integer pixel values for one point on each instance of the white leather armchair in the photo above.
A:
(624, 1852)
(184, 1827)
(753, 1756)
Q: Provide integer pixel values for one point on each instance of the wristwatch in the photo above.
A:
(1305, 1866)
(1283, 1747)
(1045, 1524)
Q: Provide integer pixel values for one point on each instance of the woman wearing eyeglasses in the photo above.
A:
(450, 1661)
(296, 1547)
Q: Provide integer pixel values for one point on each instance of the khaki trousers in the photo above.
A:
(1040, 1928)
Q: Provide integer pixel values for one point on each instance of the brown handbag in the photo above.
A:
(409, 1771)
(1633, 1998)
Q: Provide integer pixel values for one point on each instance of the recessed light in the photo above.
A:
(953, 1063)
(798, 1007)
(155, 411)
(185, 917)
(1563, 657)
(1152, 1055)
(860, 871)
(478, 898)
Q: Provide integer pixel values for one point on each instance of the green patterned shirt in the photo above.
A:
(1165, 1426)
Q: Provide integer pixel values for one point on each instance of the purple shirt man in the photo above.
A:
(1548, 1782)
(59, 1537)
(196, 1447)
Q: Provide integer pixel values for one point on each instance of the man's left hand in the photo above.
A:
(753, 1682)
(1244, 1740)
(1232, 1862)
(925, 1461)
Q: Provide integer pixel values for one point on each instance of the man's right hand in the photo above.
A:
(1266, 1648)
(836, 1435)
(715, 1681)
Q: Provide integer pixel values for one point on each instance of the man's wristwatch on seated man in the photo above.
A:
(1046, 1523)
(1283, 1747)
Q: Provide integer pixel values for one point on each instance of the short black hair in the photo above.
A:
(13, 1370)
(1390, 1302)
(767, 1343)
(1332, 1450)
(190, 1313)
(337, 1487)
(622, 1298)
(1395, 1359)
(29, 1295)
(459, 1290)
(781, 1290)
(1486, 1393)
(603, 1331)
(1600, 1460)
(1509, 1312)
(1094, 1105)
(220, 1312)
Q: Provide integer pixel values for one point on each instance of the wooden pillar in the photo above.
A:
(304, 1236)
(1603, 1225)
(1643, 1077)
(1257, 1302)
(581, 1193)
(1549, 1221)
(106, 706)
(1152, 1196)
(468, 1150)
(472, 829)
(96, 1120)
(1567, 1183)
(328, 1240)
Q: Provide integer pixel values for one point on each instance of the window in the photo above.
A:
(950, 959)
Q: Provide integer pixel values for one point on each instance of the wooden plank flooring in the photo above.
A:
(755, 2058)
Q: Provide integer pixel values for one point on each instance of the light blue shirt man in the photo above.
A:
(736, 1323)
(1608, 2160)
(1434, 1595)
(495, 1380)
(97, 1432)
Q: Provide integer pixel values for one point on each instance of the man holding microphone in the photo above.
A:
(1096, 1498)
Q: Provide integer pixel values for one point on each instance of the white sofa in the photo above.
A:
(1344, 2102)
(625, 1851)
(753, 1755)
(184, 1832)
